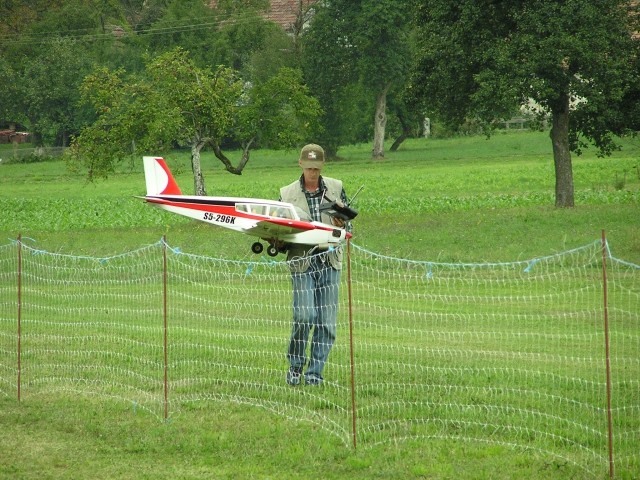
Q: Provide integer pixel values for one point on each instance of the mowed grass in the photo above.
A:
(459, 200)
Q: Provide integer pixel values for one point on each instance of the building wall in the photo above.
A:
(289, 14)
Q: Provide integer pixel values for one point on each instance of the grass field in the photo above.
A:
(467, 199)
(444, 201)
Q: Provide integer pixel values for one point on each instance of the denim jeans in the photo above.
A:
(315, 305)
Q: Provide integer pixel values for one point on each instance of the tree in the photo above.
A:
(42, 91)
(46, 58)
(188, 24)
(383, 60)
(327, 62)
(364, 43)
(276, 51)
(573, 59)
(410, 121)
(242, 33)
(8, 90)
(177, 103)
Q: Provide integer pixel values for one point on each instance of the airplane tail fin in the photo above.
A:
(158, 177)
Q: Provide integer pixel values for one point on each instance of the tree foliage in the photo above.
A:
(572, 60)
(188, 24)
(45, 61)
(177, 103)
(362, 48)
(42, 93)
(328, 58)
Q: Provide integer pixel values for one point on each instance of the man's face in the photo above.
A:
(311, 174)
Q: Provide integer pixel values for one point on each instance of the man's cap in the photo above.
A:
(312, 156)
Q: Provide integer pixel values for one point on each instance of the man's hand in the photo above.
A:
(338, 222)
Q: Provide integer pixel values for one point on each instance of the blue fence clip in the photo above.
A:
(429, 273)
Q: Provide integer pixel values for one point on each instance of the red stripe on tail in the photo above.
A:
(172, 187)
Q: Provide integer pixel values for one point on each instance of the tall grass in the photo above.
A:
(466, 199)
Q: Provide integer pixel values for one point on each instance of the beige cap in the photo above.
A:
(312, 156)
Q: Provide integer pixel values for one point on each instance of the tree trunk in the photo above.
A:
(36, 138)
(379, 124)
(217, 150)
(198, 179)
(562, 156)
(406, 131)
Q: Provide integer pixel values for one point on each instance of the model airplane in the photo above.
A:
(278, 223)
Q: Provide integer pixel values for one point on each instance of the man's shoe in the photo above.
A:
(294, 376)
(312, 379)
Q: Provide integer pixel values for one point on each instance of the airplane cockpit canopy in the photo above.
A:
(288, 212)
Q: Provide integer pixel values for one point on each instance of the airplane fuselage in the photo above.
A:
(270, 220)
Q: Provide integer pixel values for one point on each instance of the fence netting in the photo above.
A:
(509, 354)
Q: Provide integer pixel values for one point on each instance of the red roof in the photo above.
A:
(284, 12)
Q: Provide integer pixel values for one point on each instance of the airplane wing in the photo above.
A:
(271, 229)
(296, 231)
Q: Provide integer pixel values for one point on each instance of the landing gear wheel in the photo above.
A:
(257, 248)
(272, 251)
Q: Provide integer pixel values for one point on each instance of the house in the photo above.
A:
(9, 135)
(291, 15)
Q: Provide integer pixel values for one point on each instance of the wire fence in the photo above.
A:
(30, 154)
(541, 355)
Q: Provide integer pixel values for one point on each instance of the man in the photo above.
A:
(315, 274)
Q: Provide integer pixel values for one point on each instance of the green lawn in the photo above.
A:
(462, 370)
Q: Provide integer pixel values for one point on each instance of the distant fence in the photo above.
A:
(541, 355)
(18, 154)
(521, 123)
